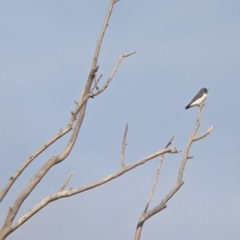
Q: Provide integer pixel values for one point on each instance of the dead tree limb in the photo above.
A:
(93, 94)
(71, 192)
(156, 176)
(66, 182)
(162, 204)
(74, 124)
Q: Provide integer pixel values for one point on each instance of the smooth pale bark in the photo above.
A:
(74, 124)
(162, 204)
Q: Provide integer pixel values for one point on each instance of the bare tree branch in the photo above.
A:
(37, 178)
(112, 74)
(71, 192)
(101, 35)
(190, 141)
(196, 138)
(78, 116)
(124, 144)
(162, 205)
(156, 176)
(170, 141)
(66, 182)
(60, 134)
(96, 83)
(154, 184)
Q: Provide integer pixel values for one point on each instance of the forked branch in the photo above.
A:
(112, 74)
(74, 123)
(60, 134)
(71, 192)
(162, 204)
(156, 176)
(66, 182)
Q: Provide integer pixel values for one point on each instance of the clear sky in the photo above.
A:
(46, 49)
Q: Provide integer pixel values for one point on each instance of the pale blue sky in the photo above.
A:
(46, 49)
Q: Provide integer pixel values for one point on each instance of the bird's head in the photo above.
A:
(204, 90)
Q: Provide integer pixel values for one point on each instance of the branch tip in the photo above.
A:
(66, 182)
(170, 142)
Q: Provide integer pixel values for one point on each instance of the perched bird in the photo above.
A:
(198, 99)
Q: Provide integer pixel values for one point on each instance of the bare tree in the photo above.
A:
(90, 90)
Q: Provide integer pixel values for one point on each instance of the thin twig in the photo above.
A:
(101, 35)
(154, 183)
(66, 182)
(96, 83)
(196, 138)
(112, 73)
(124, 144)
(157, 176)
(170, 141)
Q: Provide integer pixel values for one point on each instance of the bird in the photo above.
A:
(199, 98)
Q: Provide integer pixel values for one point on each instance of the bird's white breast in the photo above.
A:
(200, 100)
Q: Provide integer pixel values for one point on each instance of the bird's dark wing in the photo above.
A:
(193, 100)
